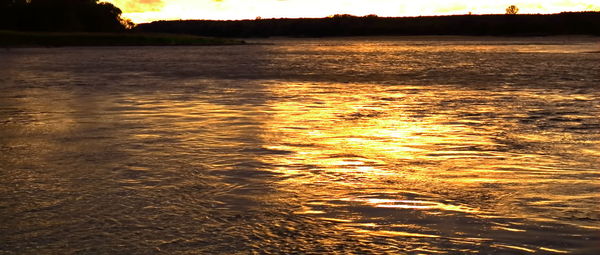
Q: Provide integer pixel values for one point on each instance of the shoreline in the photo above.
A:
(21, 39)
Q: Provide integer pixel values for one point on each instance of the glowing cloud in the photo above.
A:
(148, 10)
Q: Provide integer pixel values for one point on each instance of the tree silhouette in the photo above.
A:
(61, 15)
(512, 10)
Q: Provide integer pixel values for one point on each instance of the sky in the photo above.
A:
(141, 11)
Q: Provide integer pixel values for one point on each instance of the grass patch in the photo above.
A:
(46, 39)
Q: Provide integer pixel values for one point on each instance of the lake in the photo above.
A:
(375, 145)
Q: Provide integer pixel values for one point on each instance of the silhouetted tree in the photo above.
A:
(512, 10)
(60, 15)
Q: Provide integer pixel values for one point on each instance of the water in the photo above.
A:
(419, 145)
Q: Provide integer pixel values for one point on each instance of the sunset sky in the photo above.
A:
(148, 10)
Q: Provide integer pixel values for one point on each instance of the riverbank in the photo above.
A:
(50, 39)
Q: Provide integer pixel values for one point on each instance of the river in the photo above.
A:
(375, 145)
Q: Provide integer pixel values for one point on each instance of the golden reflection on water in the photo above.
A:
(377, 161)
(437, 150)
(360, 130)
(166, 159)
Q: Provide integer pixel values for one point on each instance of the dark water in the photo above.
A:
(369, 146)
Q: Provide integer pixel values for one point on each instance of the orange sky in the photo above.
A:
(148, 10)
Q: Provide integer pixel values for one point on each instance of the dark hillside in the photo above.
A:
(583, 23)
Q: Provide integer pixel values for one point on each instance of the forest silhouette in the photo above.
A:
(568, 23)
(61, 16)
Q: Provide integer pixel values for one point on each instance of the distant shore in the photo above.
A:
(64, 39)
(567, 23)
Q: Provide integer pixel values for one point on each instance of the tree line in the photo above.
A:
(587, 23)
(61, 15)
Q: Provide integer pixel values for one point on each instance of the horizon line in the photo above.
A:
(371, 15)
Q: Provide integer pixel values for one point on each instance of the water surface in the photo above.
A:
(417, 145)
